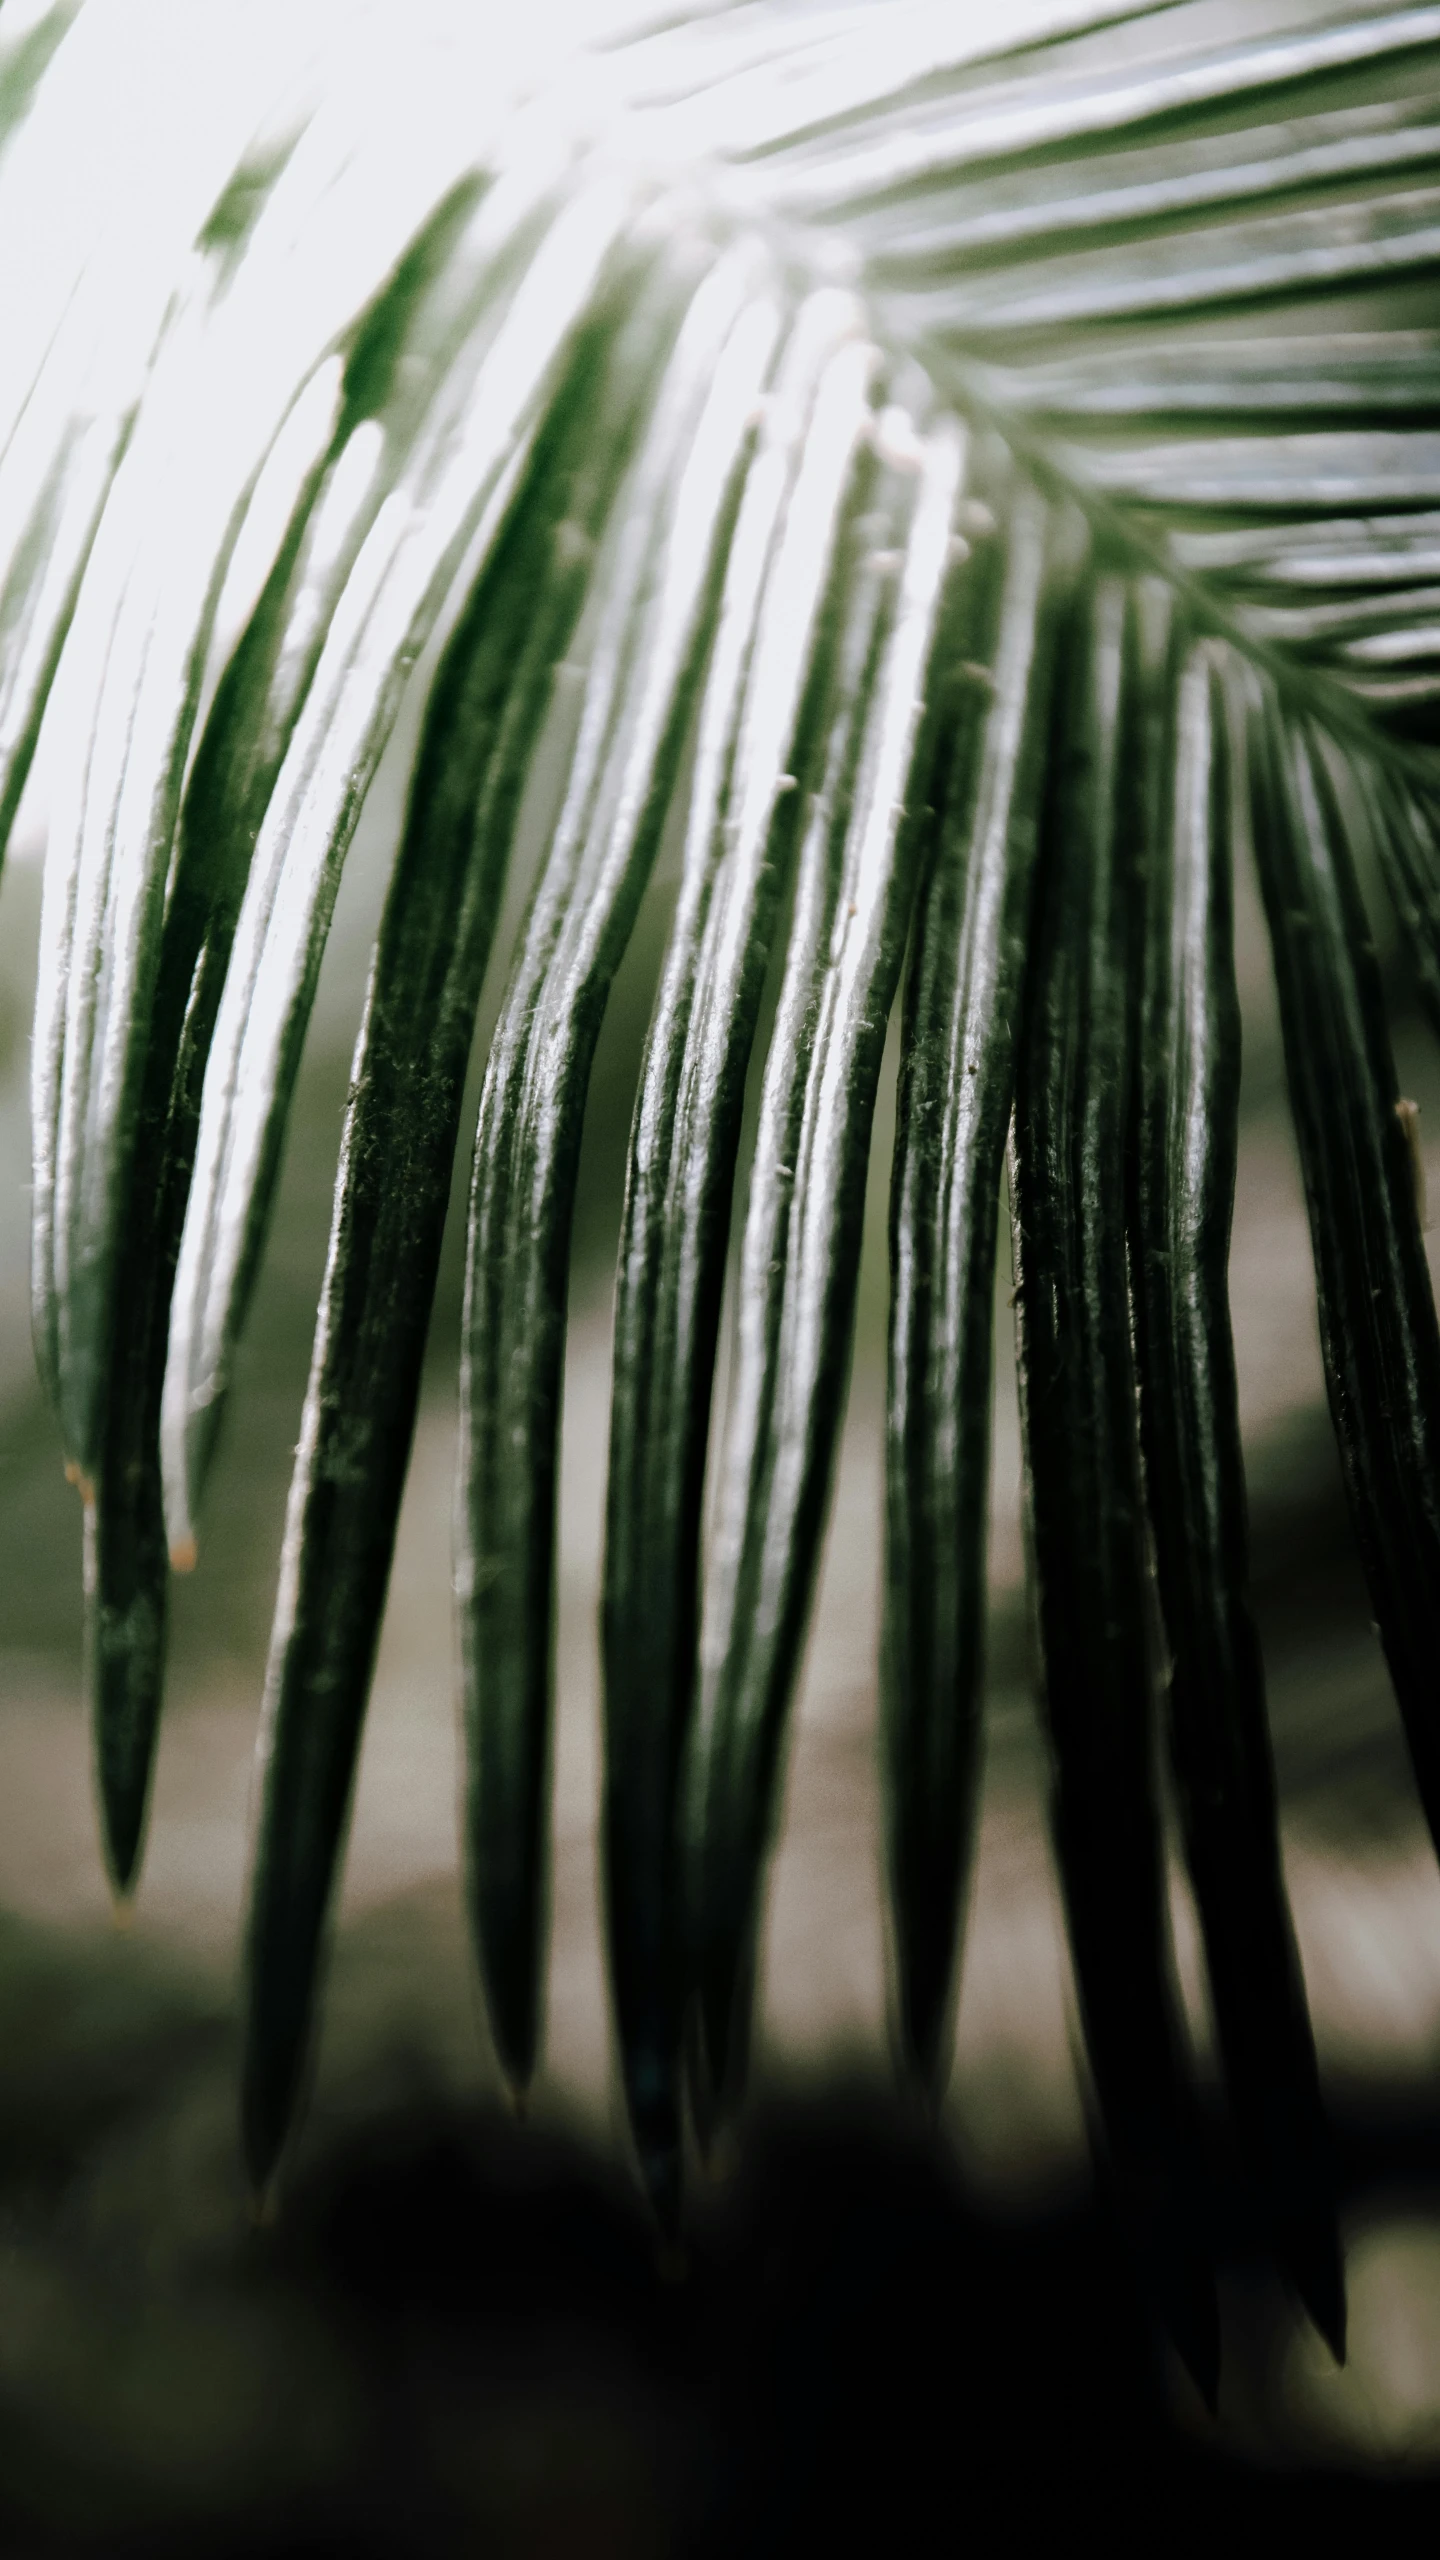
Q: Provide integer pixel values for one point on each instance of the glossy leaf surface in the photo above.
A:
(1188, 1104)
(957, 1074)
(1082, 1456)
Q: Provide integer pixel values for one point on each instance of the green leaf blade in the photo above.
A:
(131, 1097)
(957, 1068)
(1188, 1107)
(1378, 1329)
(459, 461)
(800, 1254)
(483, 721)
(1083, 1474)
(666, 564)
(756, 718)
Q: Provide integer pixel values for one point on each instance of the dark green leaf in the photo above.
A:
(1082, 1456)
(1377, 1313)
(662, 584)
(418, 514)
(1407, 839)
(482, 723)
(111, 1330)
(1188, 1104)
(957, 1068)
(800, 1254)
(743, 812)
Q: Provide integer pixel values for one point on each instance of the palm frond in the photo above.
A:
(997, 467)
(962, 1008)
(1183, 1182)
(800, 1251)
